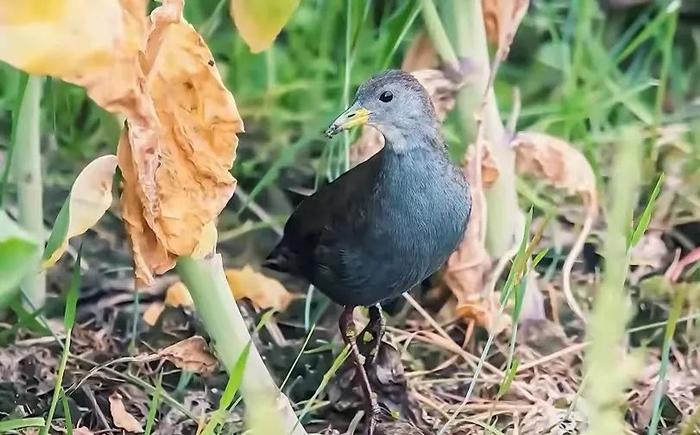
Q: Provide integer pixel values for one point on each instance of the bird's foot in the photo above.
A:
(371, 335)
(372, 412)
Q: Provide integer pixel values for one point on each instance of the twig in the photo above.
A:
(571, 258)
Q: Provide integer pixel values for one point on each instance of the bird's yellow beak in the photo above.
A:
(350, 118)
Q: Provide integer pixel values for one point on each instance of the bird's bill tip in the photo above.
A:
(352, 117)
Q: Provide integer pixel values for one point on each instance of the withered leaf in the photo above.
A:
(501, 19)
(176, 295)
(89, 199)
(121, 417)
(192, 355)
(421, 54)
(556, 161)
(176, 158)
(60, 37)
(260, 21)
(262, 291)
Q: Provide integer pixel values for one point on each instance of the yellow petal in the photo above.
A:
(260, 21)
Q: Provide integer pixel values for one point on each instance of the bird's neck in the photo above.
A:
(403, 138)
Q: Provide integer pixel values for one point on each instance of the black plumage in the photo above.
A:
(387, 224)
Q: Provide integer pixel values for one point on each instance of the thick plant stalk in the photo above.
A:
(611, 310)
(504, 216)
(26, 169)
(206, 281)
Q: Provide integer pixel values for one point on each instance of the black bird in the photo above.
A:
(384, 225)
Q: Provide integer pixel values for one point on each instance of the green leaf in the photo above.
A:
(232, 386)
(73, 293)
(508, 380)
(153, 406)
(59, 232)
(19, 423)
(645, 217)
(17, 257)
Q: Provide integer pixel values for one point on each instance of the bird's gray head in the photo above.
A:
(395, 103)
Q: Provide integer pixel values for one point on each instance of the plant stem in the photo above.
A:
(611, 311)
(206, 281)
(501, 197)
(26, 167)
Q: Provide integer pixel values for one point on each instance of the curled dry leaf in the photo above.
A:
(89, 199)
(442, 93)
(176, 295)
(191, 355)
(260, 21)
(467, 270)
(262, 291)
(489, 168)
(501, 19)
(121, 417)
(60, 37)
(421, 54)
(560, 164)
(181, 123)
(176, 158)
(556, 161)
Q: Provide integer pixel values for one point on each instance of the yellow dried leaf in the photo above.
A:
(192, 355)
(177, 295)
(89, 199)
(59, 37)
(501, 19)
(121, 417)
(153, 312)
(489, 168)
(264, 292)
(420, 54)
(556, 161)
(260, 21)
(176, 156)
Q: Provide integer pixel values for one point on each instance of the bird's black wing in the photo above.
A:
(315, 239)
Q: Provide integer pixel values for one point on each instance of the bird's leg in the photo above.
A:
(349, 333)
(369, 346)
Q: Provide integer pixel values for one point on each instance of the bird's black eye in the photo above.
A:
(386, 96)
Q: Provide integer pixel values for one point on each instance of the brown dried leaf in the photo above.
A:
(467, 269)
(176, 295)
(442, 93)
(264, 292)
(556, 161)
(489, 169)
(501, 19)
(191, 355)
(152, 313)
(122, 418)
(82, 430)
(421, 54)
(176, 157)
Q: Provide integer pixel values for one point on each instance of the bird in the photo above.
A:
(383, 226)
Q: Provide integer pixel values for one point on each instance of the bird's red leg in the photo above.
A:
(349, 333)
(375, 327)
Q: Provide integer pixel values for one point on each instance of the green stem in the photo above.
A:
(437, 33)
(26, 167)
(59, 381)
(606, 329)
(206, 281)
(501, 197)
